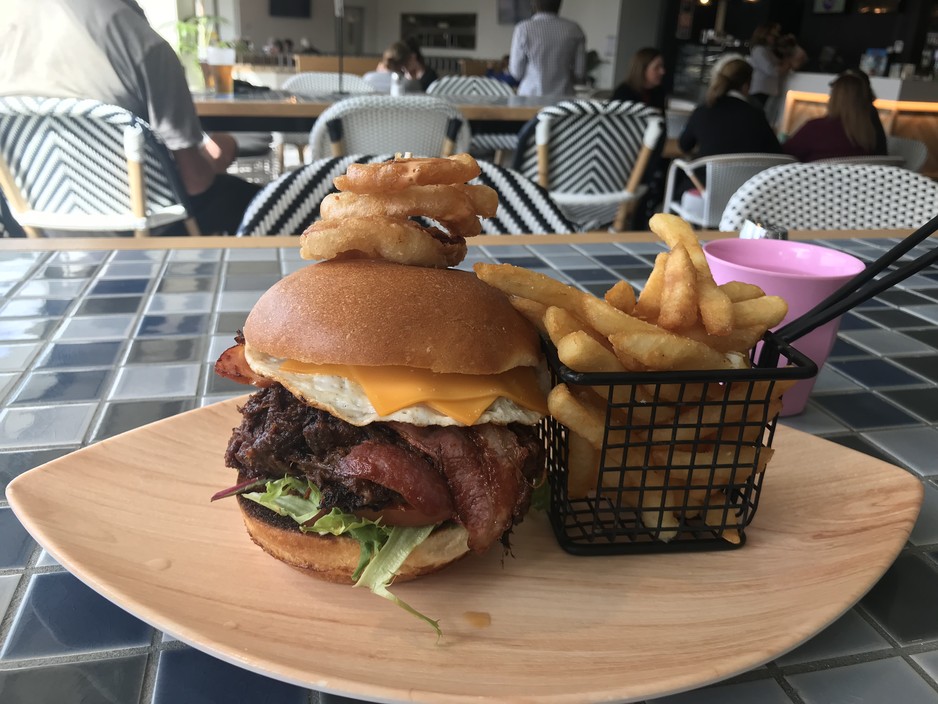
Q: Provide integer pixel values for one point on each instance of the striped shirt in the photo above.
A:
(548, 54)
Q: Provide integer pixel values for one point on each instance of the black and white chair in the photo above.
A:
(68, 164)
(485, 143)
(591, 156)
(868, 159)
(373, 124)
(715, 179)
(290, 204)
(523, 206)
(819, 196)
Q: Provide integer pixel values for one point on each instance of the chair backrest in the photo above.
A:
(727, 172)
(820, 196)
(290, 204)
(870, 159)
(592, 145)
(375, 124)
(523, 206)
(68, 161)
(322, 82)
(914, 152)
(469, 85)
(586, 153)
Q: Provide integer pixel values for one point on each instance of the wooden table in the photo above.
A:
(280, 110)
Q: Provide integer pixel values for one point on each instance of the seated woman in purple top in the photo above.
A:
(850, 127)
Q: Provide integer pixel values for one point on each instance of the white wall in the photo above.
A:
(259, 26)
(600, 20)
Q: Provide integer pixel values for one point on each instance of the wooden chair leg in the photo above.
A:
(499, 156)
(192, 227)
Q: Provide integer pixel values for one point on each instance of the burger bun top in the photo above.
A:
(375, 313)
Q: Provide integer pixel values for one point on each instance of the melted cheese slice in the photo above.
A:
(462, 397)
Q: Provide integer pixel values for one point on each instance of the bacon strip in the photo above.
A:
(233, 365)
(402, 471)
(480, 465)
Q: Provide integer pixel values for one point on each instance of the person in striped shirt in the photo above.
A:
(548, 53)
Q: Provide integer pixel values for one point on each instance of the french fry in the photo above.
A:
(679, 298)
(740, 340)
(583, 353)
(582, 466)
(766, 311)
(518, 281)
(534, 311)
(621, 296)
(659, 349)
(649, 300)
(560, 322)
(740, 291)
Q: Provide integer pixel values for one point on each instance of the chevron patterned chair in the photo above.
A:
(591, 156)
(476, 86)
(523, 206)
(71, 164)
(372, 124)
(290, 204)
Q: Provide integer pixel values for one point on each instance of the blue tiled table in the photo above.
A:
(94, 342)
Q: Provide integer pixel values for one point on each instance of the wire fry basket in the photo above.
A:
(682, 460)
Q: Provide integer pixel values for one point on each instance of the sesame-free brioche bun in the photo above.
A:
(375, 313)
(334, 558)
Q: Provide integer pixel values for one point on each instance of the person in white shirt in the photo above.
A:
(548, 53)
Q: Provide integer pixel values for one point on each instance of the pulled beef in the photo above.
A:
(481, 475)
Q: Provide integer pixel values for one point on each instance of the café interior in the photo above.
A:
(123, 581)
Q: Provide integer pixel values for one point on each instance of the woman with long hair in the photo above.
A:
(643, 82)
(726, 122)
(848, 129)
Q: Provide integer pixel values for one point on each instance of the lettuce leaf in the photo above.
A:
(383, 548)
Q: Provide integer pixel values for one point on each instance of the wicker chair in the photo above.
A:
(72, 164)
(523, 206)
(311, 83)
(373, 124)
(723, 175)
(483, 144)
(831, 196)
(290, 204)
(914, 152)
(591, 156)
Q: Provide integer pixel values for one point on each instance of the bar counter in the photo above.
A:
(100, 336)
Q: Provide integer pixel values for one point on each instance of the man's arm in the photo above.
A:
(579, 60)
(518, 58)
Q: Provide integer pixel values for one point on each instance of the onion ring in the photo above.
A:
(456, 207)
(399, 174)
(380, 237)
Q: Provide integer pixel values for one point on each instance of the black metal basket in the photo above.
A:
(682, 457)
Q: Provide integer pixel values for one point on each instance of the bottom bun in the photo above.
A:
(334, 558)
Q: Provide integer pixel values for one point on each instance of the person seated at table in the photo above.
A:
(416, 67)
(726, 122)
(848, 129)
(394, 60)
(644, 81)
(500, 72)
(105, 50)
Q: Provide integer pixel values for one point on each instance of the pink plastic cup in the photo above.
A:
(803, 274)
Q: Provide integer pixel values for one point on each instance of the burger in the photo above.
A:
(394, 430)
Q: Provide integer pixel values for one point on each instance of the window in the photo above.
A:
(440, 31)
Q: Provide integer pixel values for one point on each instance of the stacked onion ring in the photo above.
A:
(371, 216)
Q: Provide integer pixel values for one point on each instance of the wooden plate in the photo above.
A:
(131, 517)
